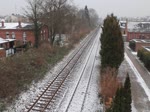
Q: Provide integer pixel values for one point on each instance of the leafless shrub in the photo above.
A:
(108, 84)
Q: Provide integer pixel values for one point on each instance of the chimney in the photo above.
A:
(19, 24)
(2, 23)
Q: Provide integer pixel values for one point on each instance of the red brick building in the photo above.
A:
(22, 32)
(138, 30)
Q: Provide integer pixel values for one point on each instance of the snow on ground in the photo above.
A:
(133, 107)
(134, 53)
(91, 102)
(26, 97)
(139, 78)
(140, 101)
(77, 101)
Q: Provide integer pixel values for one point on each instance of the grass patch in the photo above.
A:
(19, 71)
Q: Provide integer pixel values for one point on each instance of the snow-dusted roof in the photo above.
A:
(14, 25)
(10, 40)
(141, 40)
(147, 48)
(139, 26)
(2, 41)
(123, 21)
(1, 48)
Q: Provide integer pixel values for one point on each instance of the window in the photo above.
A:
(44, 35)
(24, 37)
(41, 35)
(13, 35)
(7, 35)
(124, 32)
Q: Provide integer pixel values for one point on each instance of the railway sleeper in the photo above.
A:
(37, 109)
(43, 97)
(48, 94)
(43, 104)
(39, 106)
(43, 100)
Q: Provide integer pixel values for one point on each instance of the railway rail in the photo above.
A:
(44, 100)
(93, 51)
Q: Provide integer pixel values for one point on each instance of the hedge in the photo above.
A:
(132, 45)
(144, 56)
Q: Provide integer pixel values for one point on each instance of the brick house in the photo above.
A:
(6, 47)
(22, 32)
(138, 30)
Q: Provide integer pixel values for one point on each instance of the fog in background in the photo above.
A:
(121, 8)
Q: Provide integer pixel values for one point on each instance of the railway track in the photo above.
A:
(47, 97)
(77, 93)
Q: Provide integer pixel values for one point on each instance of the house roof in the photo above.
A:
(138, 26)
(141, 40)
(1, 48)
(2, 41)
(15, 26)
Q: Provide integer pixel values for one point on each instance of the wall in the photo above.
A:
(18, 34)
(29, 34)
(139, 45)
(44, 33)
(137, 35)
(2, 53)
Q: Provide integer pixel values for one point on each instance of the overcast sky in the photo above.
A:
(121, 8)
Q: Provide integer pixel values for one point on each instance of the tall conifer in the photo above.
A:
(112, 46)
(127, 94)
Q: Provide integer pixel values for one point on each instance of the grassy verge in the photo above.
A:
(19, 71)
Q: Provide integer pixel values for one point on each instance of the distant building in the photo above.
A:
(15, 18)
(123, 27)
(138, 30)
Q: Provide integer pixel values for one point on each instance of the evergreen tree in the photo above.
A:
(118, 104)
(112, 46)
(87, 15)
(122, 101)
(127, 94)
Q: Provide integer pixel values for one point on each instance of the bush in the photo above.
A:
(132, 45)
(19, 71)
(144, 56)
(109, 85)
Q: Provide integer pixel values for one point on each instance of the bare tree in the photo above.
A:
(33, 12)
(94, 18)
(53, 16)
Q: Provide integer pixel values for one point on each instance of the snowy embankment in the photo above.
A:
(139, 78)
